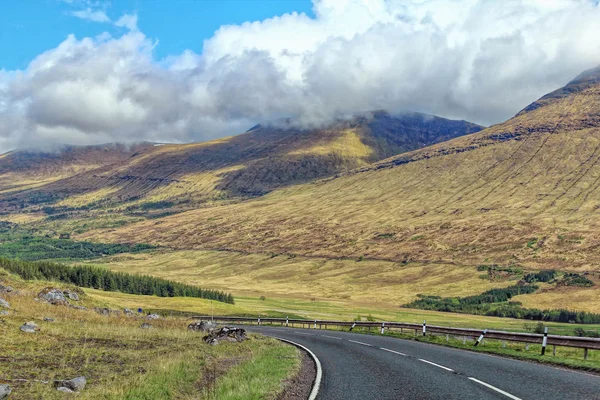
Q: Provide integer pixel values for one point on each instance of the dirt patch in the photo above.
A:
(300, 386)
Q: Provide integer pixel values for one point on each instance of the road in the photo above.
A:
(357, 366)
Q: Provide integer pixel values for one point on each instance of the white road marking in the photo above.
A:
(304, 333)
(392, 351)
(437, 365)
(332, 337)
(364, 344)
(496, 389)
(317, 383)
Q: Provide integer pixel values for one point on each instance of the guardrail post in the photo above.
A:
(287, 321)
(315, 324)
(352, 327)
(553, 350)
(382, 327)
(480, 338)
(585, 354)
(259, 321)
(424, 327)
(545, 340)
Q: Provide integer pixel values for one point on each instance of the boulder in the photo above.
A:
(227, 334)
(53, 296)
(65, 390)
(74, 385)
(103, 311)
(127, 311)
(153, 316)
(4, 312)
(202, 326)
(48, 319)
(4, 304)
(29, 327)
(4, 392)
(71, 295)
(145, 325)
(5, 289)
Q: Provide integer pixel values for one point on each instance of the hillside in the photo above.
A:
(524, 192)
(25, 169)
(248, 165)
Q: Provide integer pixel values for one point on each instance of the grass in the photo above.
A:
(122, 361)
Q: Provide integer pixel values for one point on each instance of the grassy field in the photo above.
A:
(122, 361)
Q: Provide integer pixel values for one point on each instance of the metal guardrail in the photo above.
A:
(529, 338)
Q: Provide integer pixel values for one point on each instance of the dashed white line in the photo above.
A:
(304, 333)
(392, 351)
(364, 344)
(332, 337)
(510, 396)
(437, 365)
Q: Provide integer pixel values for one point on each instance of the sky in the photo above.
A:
(97, 71)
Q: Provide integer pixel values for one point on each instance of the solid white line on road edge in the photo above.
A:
(496, 389)
(364, 344)
(317, 382)
(437, 365)
(332, 337)
(392, 351)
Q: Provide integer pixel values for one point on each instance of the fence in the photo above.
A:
(584, 343)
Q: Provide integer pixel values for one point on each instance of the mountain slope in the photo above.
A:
(526, 191)
(251, 164)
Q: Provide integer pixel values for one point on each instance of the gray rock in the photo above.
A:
(4, 304)
(48, 319)
(202, 326)
(4, 312)
(71, 295)
(74, 385)
(226, 334)
(4, 392)
(153, 316)
(29, 327)
(127, 311)
(5, 289)
(103, 311)
(65, 390)
(53, 296)
(145, 325)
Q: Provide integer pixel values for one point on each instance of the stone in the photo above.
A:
(4, 392)
(145, 325)
(4, 304)
(53, 296)
(29, 327)
(202, 326)
(74, 385)
(127, 311)
(4, 312)
(5, 289)
(65, 390)
(103, 311)
(153, 316)
(226, 334)
(71, 295)
(48, 319)
(78, 307)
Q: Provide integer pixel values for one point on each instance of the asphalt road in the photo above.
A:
(357, 366)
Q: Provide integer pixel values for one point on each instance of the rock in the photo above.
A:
(4, 312)
(79, 307)
(74, 385)
(48, 319)
(29, 327)
(226, 334)
(65, 390)
(153, 316)
(53, 296)
(4, 392)
(71, 295)
(202, 326)
(4, 304)
(5, 289)
(145, 325)
(127, 311)
(103, 311)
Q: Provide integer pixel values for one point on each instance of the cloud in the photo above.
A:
(91, 15)
(128, 21)
(478, 60)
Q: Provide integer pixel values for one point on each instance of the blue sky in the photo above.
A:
(30, 27)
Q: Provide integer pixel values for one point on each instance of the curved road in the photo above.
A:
(357, 366)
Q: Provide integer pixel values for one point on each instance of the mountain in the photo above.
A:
(248, 165)
(23, 169)
(523, 192)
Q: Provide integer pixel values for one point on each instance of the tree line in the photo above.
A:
(496, 303)
(103, 279)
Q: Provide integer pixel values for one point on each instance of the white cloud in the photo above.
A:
(91, 15)
(480, 60)
(128, 21)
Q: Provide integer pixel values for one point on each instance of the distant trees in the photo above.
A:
(496, 303)
(103, 279)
